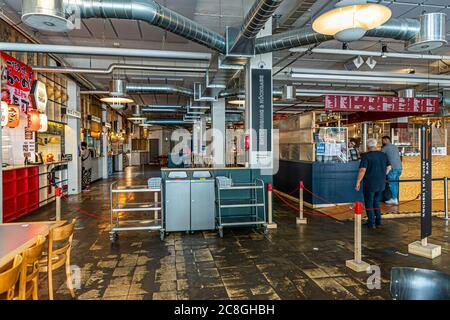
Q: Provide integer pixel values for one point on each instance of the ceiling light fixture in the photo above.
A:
(116, 100)
(137, 118)
(237, 102)
(350, 20)
(384, 50)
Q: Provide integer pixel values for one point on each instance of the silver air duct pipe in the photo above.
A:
(58, 14)
(165, 122)
(101, 51)
(158, 88)
(254, 21)
(432, 34)
(115, 66)
(399, 29)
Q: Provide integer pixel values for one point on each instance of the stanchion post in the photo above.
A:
(270, 224)
(58, 203)
(357, 264)
(300, 218)
(446, 198)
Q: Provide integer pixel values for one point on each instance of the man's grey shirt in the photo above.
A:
(393, 155)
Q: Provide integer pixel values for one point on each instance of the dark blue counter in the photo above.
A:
(334, 182)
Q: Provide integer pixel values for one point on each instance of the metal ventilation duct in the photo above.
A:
(45, 11)
(399, 29)
(407, 93)
(158, 88)
(117, 87)
(432, 34)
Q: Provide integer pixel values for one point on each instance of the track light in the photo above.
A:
(384, 50)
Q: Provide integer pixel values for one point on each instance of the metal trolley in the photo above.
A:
(146, 223)
(254, 202)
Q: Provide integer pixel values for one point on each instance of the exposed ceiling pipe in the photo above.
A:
(321, 75)
(157, 88)
(254, 21)
(115, 66)
(165, 122)
(400, 29)
(101, 51)
(61, 15)
(373, 53)
(319, 93)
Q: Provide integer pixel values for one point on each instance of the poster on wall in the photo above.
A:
(16, 82)
(261, 111)
(426, 181)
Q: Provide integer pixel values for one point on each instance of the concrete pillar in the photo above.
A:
(72, 137)
(218, 133)
(256, 157)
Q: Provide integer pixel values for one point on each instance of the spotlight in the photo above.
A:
(384, 50)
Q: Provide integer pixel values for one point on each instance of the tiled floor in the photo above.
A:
(292, 262)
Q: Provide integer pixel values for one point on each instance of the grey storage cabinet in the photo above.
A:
(202, 205)
(189, 202)
(177, 205)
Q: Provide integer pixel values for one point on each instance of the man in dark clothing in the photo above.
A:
(372, 171)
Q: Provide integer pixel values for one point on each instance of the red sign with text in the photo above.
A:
(16, 80)
(381, 104)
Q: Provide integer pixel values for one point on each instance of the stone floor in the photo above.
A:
(292, 262)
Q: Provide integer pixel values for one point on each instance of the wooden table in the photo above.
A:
(17, 237)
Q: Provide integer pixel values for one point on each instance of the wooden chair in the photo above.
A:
(58, 255)
(9, 277)
(28, 282)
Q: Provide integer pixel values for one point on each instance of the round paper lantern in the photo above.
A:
(13, 116)
(4, 113)
(34, 122)
(43, 120)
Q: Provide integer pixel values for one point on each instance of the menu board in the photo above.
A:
(381, 104)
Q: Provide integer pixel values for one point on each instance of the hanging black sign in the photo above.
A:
(426, 185)
(262, 109)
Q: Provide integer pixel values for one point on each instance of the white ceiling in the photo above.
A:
(216, 15)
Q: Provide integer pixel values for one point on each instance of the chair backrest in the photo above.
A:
(30, 265)
(61, 234)
(9, 277)
(419, 284)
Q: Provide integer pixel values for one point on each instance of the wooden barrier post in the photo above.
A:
(271, 224)
(357, 264)
(58, 203)
(300, 218)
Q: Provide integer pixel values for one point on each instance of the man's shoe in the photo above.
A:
(368, 225)
(392, 201)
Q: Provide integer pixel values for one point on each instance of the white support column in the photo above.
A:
(218, 133)
(72, 137)
(261, 61)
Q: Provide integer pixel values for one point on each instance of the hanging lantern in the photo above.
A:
(13, 116)
(4, 113)
(33, 120)
(43, 120)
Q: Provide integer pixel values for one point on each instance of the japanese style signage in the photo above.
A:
(381, 104)
(39, 96)
(16, 79)
(426, 181)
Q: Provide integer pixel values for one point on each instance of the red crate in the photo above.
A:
(33, 199)
(9, 208)
(21, 173)
(22, 202)
(9, 189)
(9, 175)
(33, 183)
(21, 186)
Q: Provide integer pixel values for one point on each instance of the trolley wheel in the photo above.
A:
(221, 232)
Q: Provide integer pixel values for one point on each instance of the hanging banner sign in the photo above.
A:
(16, 80)
(426, 181)
(261, 117)
(39, 96)
(94, 119)
(381, 104)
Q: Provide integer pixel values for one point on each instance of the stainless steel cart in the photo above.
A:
(142, 222)
(256, 203)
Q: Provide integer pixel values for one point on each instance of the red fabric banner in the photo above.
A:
(16, 80)
(381, 104)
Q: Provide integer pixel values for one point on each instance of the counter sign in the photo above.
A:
(426, 182)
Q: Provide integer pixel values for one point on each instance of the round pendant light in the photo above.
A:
(34, 120)
(4, 107)
(43, 123)
(117, 100)
(350, 20)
